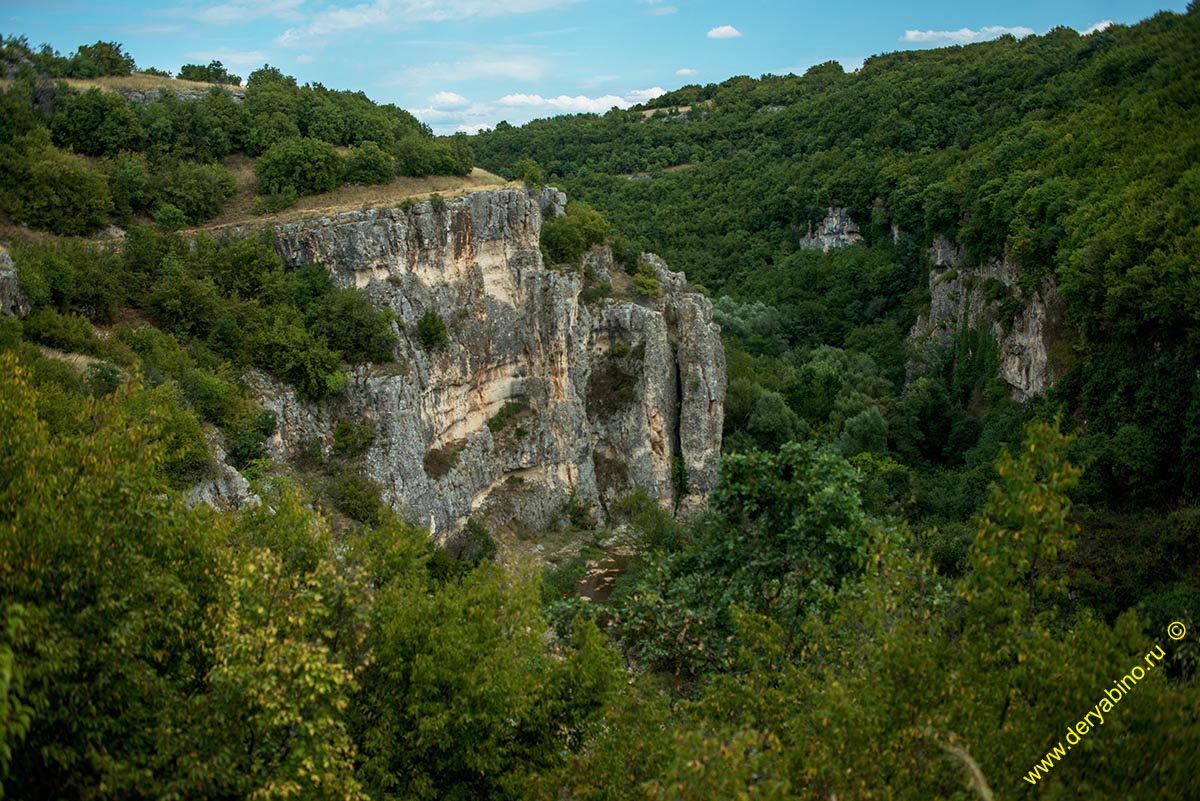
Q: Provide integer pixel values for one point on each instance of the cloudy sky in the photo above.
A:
(466, 64)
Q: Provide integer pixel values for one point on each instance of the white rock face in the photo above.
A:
(971, 298)
(607, 396)
(837, 230)
(12, 297)
(227, 489)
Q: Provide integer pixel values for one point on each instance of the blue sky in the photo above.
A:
(465, 64)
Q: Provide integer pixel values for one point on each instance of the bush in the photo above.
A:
(351, 440)
(198, 190)
(214, 72)
(307, 166)
(357, 497)
(129, 186)
(58, 192)
(368, 164)
(352, 326)
(169, 217)
(566, 238)
(276, 201)
(645, 281)
(97, 124)
(440, 461)
(67, 332)
(529, 172)
(102, 378)
(431, 331)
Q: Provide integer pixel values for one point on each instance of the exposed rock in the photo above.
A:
(598, 264)
(12, 297)
(552, 201)
(837, 230)
(228, 489)
(601, 398)
(989, 296)
(144, 97)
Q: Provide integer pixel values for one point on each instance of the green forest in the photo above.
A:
(902, 587)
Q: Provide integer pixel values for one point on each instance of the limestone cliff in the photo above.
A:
(989, 296)
(538, 394)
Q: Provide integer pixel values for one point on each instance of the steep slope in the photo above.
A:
(536, 396)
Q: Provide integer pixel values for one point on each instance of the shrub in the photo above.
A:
(368, 164)
(102, 378)
(58, 192)
(566, 238)
(506, 414)
(529, 172)
(352, 326)
(169, 217)
(645, 281)
(198, 190)
(307, 166)
(276, 201)
(68, 332)
(431, 331)
(248, 445)
(357, 497)
(351, 440)
(214, 72)
(440, 461)
(97, 124)
(128, 185)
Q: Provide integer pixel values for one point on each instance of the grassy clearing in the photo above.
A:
(138, 82)
(239, 210)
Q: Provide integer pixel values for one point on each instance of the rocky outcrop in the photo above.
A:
(837, 230)
(990, 297)
(227, 489)
(12, 297)
(538, 395)
(144, 97)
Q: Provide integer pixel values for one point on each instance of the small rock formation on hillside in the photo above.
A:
(12, 297)
(990, 297)
(538, 396)
(837, 230)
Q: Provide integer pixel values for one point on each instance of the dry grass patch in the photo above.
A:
(239, 210)
(138, 82)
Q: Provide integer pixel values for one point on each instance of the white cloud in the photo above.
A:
(642, 95)
(473, 128)
(725, 32)
(565, 104)
(448, 100)
(964, 35)
(401, 13)
(686, 72)
(1099, 26)
(230, 58)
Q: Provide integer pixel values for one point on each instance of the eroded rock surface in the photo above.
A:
(837, 230)
(990, 297)
(596, 399)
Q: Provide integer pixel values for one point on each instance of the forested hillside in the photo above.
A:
(1075, 156)
(907, 584)
(72, 159)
